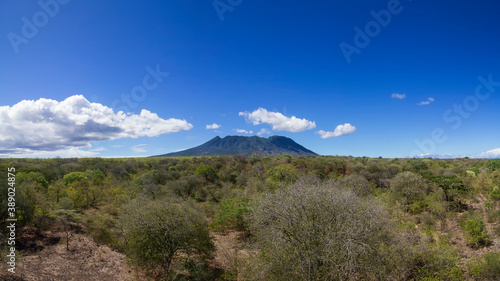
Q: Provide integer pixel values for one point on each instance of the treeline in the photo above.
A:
(302, 218)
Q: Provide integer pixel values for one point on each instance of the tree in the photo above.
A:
(357, 183)
(231, 212)
(451, 186)
(68, 219)
(310, 231)
(56, 190)
(408, 187)
(208, 172)
(73, 177)
(493, 164)
(35, 177)
(160, 232)
(284, 174)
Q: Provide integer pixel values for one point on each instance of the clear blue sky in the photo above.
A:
(267, 67)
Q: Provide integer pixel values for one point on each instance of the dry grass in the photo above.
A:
(46, 258)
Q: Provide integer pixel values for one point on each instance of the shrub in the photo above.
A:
(231, 213)
(493, 216)
(495, 193)
(474, 229)
(159, 232)
(357, 183)
(436, 263)
(408, 187)
(74, 177)
(208, 172)
(282, 174)
(99, 225)
(68, 220)
(309, 231)
(486, 267)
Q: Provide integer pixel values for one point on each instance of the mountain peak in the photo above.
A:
(252, 145)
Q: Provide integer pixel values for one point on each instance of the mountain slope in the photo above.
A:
(230, 145)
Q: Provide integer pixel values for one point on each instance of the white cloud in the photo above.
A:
(139, 148)
(398, 96)
(494, 153)
(213, 126)
(73, 152)
(47, 125)
(437, 156)
(427, 102)
(263, 132)
(340, 130)
(279, 121)
(241, 131)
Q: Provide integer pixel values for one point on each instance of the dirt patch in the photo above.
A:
(458, 241)
(45, 258)
(234, 258)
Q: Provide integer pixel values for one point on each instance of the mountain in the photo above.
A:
(230, 145)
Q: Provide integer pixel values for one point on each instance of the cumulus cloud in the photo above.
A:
(398, 96)
(340, 130)
(48, 125)
(213, 126)
(263, 132)
(241, 131)
(279, 121)
(426, 102)
(494, 153)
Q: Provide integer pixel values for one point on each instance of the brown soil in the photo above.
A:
(45, 258)
(458, 240)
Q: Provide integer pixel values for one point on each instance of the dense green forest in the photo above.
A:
(294, 218)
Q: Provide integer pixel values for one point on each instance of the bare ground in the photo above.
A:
(45, 258)
(458, 240)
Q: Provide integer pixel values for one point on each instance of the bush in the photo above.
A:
(474, 229)
(309, 231)
(408, 188)
(495, 193)
(74, 177)
(493, 216)
(208, 172)
(99, 225)
(486, 267)
(159, 232)
(357, 183)
(282, 174)
(436, 263)
(231, 213)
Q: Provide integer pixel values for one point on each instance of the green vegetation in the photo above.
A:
(486, 267)
(158, 234)
(311, 231)
(474, 230)
(231, 212)
(271, 218)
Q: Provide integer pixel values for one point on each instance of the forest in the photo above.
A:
(265, 218)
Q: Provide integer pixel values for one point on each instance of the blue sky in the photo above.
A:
(325, 73)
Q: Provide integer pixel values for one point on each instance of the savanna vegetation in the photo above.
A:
(288, 218)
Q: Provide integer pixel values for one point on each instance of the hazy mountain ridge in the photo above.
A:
(231, 145)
